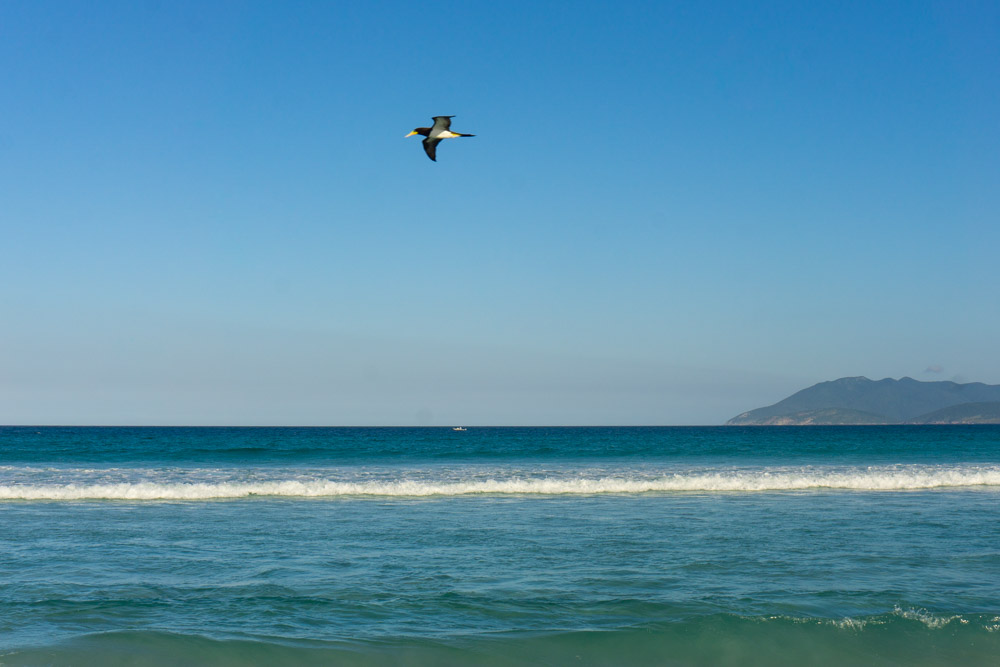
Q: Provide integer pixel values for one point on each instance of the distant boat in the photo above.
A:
(459, 428)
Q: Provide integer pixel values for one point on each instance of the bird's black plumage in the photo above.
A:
(431, 148)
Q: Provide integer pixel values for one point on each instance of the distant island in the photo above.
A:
(858, 400)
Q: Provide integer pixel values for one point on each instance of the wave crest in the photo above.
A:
(893, 479)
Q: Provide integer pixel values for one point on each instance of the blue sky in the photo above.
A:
(671, 212)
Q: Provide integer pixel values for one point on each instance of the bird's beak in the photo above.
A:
(410, 134)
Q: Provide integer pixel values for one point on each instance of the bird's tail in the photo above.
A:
(464, 135)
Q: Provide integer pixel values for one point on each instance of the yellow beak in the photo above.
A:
(410, 134)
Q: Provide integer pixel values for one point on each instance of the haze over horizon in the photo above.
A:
(670, 214)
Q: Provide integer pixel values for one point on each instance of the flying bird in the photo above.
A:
(434, 135)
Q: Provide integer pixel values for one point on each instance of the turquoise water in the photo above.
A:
(500, 546)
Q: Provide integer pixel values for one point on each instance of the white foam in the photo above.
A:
(930, 620)
(898, 478)
(855, 624)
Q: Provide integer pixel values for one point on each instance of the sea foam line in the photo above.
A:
(757, 481)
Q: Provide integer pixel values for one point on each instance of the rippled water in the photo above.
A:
(826, 546)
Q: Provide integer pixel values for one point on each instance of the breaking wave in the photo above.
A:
(899, 478)
(722, 639)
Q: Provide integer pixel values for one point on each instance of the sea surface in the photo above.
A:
(500, 546)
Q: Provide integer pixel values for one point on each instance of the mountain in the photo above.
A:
(966, 413)
(827, 416)
(858, 400)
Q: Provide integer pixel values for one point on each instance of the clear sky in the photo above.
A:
(672, 212)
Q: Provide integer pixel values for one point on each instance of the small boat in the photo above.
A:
(459, 428)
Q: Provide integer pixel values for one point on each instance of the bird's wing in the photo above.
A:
(441, 123)
(430, 147)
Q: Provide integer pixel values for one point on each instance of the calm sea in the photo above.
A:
(500, 546)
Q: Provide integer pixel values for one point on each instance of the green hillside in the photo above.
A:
(858, 400)
(967, 413)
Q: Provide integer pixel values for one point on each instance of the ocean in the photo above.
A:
(500, 546)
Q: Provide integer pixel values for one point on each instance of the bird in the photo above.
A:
(434, 135)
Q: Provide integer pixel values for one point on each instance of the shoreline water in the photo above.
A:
(499, 569)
